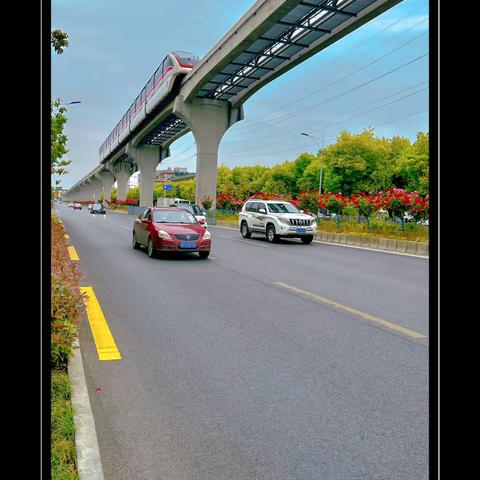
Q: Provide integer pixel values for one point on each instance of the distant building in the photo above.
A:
(171, 174)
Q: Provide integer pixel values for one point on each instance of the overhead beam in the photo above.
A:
(327, 8)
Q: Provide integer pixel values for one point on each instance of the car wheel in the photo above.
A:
(135, 244)
(307, 239)
(204, 254)
(271, 236)
(244, 230)
(150, 249)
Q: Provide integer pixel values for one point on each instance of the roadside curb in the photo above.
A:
(385, 245)
(89, 462)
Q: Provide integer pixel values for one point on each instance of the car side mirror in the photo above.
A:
(262, 210)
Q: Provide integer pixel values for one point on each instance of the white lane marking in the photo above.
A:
(121, 226)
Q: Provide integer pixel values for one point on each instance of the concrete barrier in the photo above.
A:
(392, 244)
(401, 246)
(411, 247)
(422, 248)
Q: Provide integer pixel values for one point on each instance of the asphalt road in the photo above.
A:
(227, 375)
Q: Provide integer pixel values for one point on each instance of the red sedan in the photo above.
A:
(170, 230)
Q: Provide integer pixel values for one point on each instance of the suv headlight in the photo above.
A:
(313, 222)
(207, 235)
(285, 221)
(164, 234)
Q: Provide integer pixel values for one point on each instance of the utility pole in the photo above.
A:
(321, 163)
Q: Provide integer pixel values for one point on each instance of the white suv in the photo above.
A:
(276, 219)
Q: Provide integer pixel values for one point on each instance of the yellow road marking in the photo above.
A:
(367, 316)
(67, 236)
(73, 253)
(104, 341)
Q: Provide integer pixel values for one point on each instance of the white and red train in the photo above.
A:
(157, 88)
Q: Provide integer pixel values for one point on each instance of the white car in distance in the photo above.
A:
(276, 219)
(196, 211)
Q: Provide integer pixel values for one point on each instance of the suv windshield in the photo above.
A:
(282, 208)
(173, 216)
(97, 206)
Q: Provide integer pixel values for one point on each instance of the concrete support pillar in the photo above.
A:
(96, 187)
(147, 158)
(122, 171)
(208, 120)
(107, 180)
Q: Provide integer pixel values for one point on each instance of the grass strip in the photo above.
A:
(63, 456)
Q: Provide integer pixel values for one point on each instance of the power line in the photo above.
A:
(401, 118)
(339, 122)
(345, 77)
(373, 109)
(346, 92)
(381, 106)
(299, 127)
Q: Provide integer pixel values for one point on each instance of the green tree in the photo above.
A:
(186, 189)
(351, 162)
(58, 139)
(310, 179)
(365, 209)
(383, 176)
(303, 161)
(414, 164)
(133, 193)
(282, 179)
(58, 41)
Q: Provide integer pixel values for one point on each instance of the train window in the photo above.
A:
(142, 94)
(158, 74)
(167, 63)
(150, 85)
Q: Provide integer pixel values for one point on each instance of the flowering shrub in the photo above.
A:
(66, 300)
(309, 201)
(270, 196)
(229, 202)
(127, 201)
(365, 207)
(335, 204)
(419, 208)
(206, 202)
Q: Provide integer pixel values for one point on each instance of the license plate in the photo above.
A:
(301, 230)
(188, 244)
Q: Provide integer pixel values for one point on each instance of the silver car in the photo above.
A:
(196, 211)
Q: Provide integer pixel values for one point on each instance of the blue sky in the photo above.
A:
(115, 45)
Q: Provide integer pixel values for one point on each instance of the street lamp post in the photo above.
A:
(321, 164)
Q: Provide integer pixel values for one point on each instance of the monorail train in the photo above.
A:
(156, 89)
